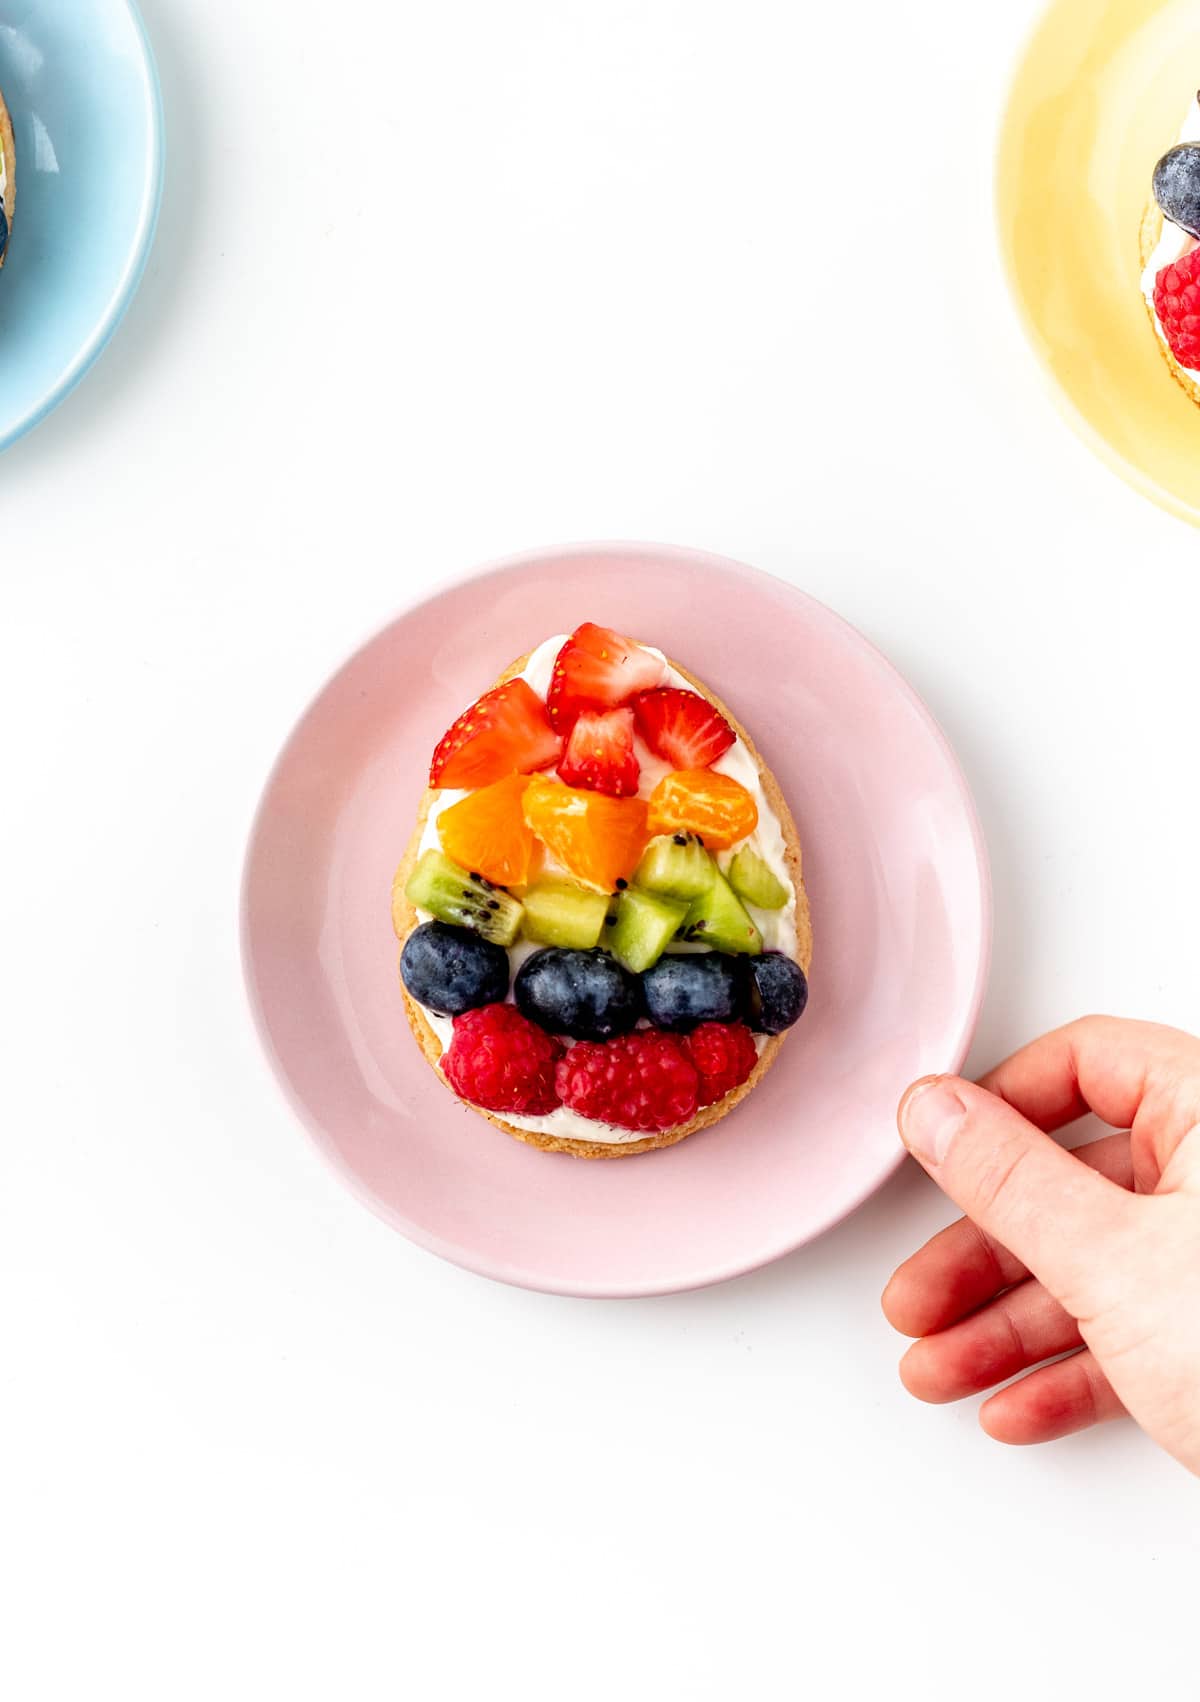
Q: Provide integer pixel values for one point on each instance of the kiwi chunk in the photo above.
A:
(675, 865)
(465, 900)
(718, 918)
(645, 925)
(754, 881)
(559, 913)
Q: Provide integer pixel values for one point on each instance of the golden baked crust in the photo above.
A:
(1148, 239)
(10, 156)
(404, 920)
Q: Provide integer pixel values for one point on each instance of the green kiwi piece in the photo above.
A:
(675, 865)
(465, 900)
(718, 918)
(558, 913)
(752, 880)
(646, 923)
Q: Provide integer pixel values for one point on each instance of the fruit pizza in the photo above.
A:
(8, 177)
(605, 933)
(1170, 251)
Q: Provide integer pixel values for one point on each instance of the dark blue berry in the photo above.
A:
(3, 232)
(584, 994)
(778, 993)
(451, 970)
(684, 989)
(1177, 186)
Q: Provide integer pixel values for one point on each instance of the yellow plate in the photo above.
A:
(1100, 94)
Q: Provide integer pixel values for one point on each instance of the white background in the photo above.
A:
(434, 283)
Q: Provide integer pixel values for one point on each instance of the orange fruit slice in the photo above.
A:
(696, 800)
(598, 838)
(487, 833)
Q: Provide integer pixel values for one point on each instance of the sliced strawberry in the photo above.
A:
(599, 754)
(682, 727)
(597, 669)
(506, 732)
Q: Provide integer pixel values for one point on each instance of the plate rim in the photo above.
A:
(483, 1266)
(1064, 404)
(138, 256)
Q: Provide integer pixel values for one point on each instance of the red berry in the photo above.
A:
(501, 1061)
(599, 754)
(1177, 303)
(597, 669)
(643, 1081)
(724, 1053)
(682, 727)
(505, 733)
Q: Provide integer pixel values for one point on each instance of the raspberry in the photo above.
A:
(501, 1061)
(724, 1053)
(1177, 303)
(643, 1081)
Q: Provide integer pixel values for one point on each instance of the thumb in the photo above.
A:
(1051, 1211)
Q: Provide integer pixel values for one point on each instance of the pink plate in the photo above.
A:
(895, 867)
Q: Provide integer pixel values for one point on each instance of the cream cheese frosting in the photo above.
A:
(778, 927)
(1174, 243)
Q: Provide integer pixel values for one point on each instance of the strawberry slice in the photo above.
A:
(506, 732)
(597, 669)
(599, 754)
(682, 727)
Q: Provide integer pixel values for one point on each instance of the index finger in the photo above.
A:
(1099, 1063)
(961, 1267)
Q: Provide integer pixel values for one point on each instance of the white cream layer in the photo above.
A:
(1174, 243)
(778, 927)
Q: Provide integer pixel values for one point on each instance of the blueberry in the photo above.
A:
(684, 989)
(1177, 186)
(3, 231)
(778, 993)
(585, 994)
(451, 970)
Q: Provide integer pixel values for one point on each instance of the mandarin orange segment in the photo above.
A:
(599, 839)
(487, 832)
(697, 800)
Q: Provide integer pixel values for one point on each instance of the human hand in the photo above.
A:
(1095, 1254)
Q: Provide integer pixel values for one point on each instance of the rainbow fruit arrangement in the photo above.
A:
(1177, 285)
(7, 177)
(649, 978)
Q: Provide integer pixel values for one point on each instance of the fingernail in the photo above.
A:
(930, 1117)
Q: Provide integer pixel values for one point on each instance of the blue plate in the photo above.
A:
(82, 90)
